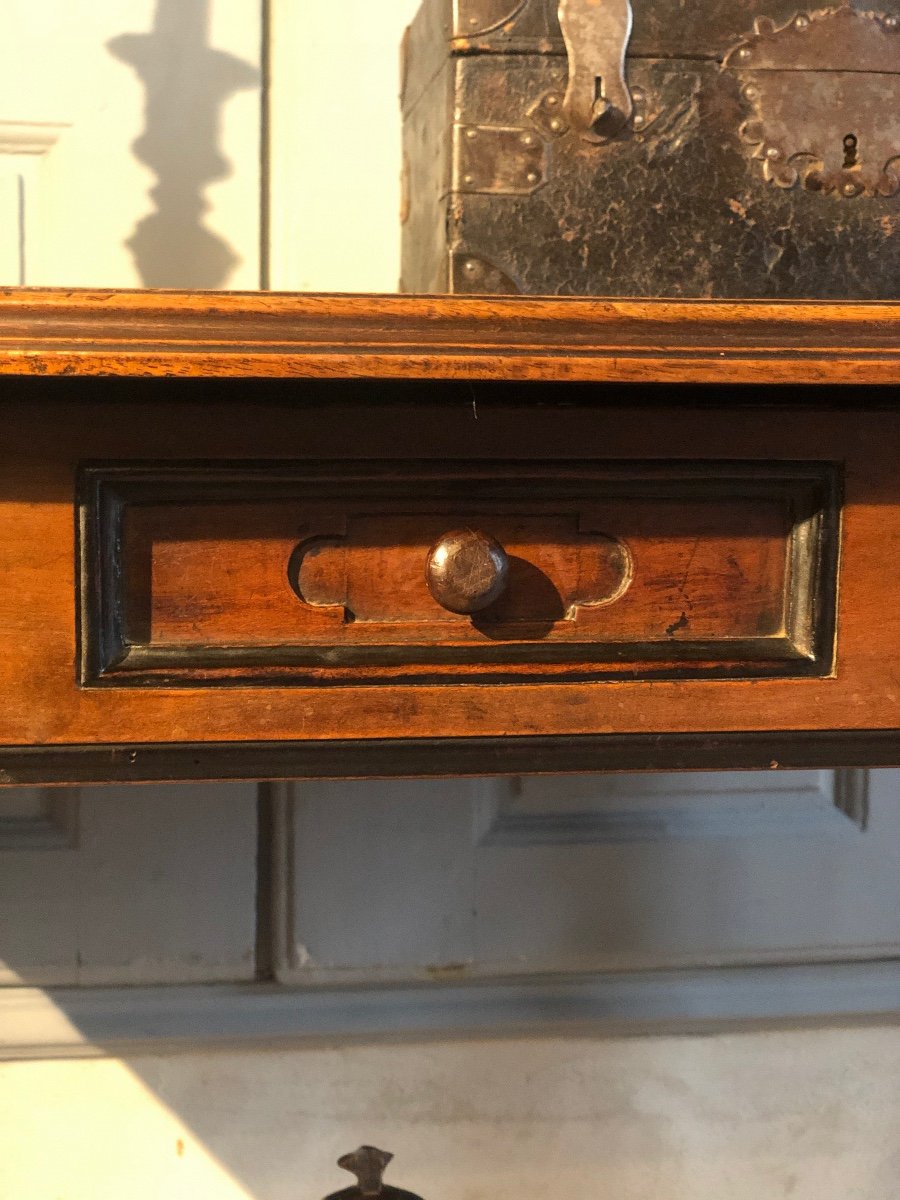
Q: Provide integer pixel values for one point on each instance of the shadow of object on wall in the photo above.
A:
(186, 83)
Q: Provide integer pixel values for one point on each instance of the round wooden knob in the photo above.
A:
(466, 571)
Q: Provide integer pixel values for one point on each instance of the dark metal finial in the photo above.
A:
(367, 1164)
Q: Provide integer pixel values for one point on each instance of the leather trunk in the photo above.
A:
(755, 153)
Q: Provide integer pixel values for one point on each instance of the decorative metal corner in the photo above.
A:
(475, 18)
(474, 274)
(548, 115)
(498, 160)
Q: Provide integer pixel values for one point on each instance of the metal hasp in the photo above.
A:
(598, 102)
(368, 1164)
(824, 93)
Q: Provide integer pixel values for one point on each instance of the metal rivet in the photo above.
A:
(532, 177)
(891, 22)
(471, 134)
(751, 92)
(527, 139)
(849, 188)
(637, 94)
(556, 124)
(744, 53)
(473, 20)
(773, 153)
(468, 179)
(639, 121)
(551, 101)
(470, 266)
(801, 22)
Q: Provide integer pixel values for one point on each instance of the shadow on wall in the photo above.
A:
(186, 83)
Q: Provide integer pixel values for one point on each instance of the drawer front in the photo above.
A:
(320, 573)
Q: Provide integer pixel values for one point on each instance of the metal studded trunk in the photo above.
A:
(711, 148)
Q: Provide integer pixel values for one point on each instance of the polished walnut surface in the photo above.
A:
(268, 334)
(226, 569)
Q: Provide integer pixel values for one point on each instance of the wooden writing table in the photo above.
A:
(236, 532)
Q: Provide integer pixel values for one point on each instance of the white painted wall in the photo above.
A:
(804, 1115)
(102, 103)
(336, 157)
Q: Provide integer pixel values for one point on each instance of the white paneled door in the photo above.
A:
(128, 885)
(461, 878)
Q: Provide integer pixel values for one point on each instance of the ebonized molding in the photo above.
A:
(386, 758)
(117, 649)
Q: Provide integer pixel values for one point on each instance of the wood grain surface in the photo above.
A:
(240, 380)
(41, 700)
(317, 572)
(221, 334)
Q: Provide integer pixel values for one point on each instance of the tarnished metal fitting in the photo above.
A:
(824, 93)
(368, 1164)
(598, 103)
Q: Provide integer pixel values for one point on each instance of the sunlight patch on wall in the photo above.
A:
(80, 1130)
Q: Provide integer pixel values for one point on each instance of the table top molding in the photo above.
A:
(49, 332)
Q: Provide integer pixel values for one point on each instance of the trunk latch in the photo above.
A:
(598, 102)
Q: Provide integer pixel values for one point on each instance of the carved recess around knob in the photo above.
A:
(824, 93)
(517, 570)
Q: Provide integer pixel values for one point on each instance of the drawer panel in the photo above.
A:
(317, 572)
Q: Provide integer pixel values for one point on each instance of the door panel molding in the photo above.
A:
(39, 819)
(24, 146)
(30, 137)
(157, 886)
(489, 878)
(761, 809)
